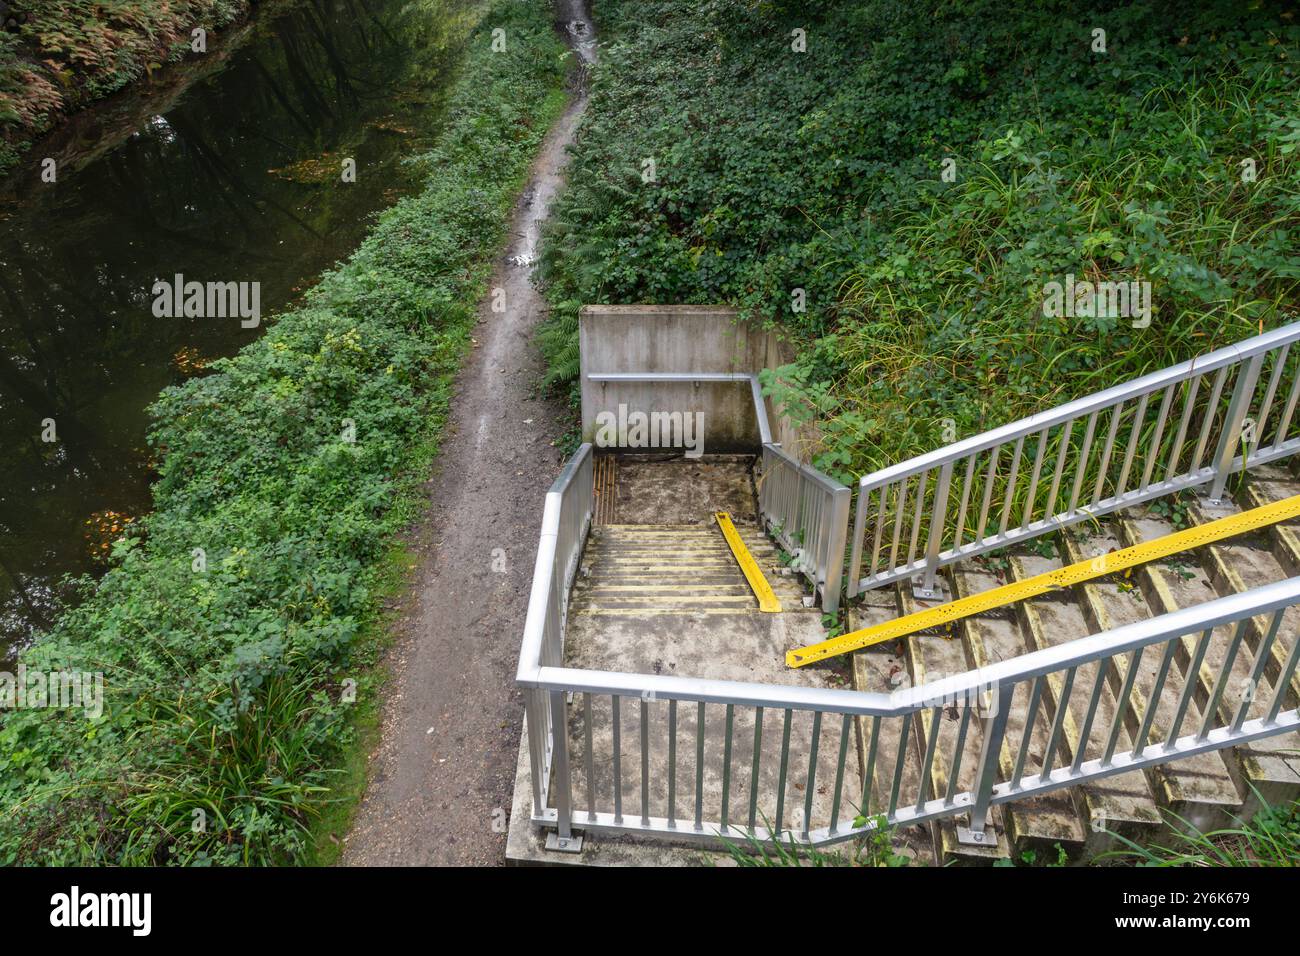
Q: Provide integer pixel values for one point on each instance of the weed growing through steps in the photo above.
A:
(875, 850)
(1270, 838)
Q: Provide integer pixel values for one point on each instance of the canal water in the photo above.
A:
(226, 168)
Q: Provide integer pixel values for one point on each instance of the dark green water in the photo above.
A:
(188, 176)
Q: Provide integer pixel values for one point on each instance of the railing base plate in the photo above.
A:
(561, 844)
(985, 837)
(922, 593)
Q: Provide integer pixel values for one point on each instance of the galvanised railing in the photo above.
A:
(681, 758)
(807, 511)
(1189, 425)
(566, 519)
(808, 514)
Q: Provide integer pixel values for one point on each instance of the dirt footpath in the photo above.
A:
(442, 778)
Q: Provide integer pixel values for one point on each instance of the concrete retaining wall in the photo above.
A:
(678, 338)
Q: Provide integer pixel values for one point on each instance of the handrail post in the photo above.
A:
(934, 542)
(834, 561)
(564, 839)
(859, 530)
(1241, 396)
(994, 727)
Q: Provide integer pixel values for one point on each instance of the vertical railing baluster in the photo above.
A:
(958, 753)
(1180, 437)
(1050, 511)
(1266, 405)
(1153, 453)
(618, 759)
(989, 478)
(560, 755)
(1030, 498)
(1242, 393)
(1282, 685)
(900, 504)
(994, 729)
(1257, 669)
(1122, 705)
(881, 514)
(927, 762)
(923, 481)
(589, 757)
(845, 730)
(699, 766)
(645, 762)
(1085, 731)
(857, 542)
(780, 783)
(753, 774)
(726, 768)
(1081, 468)
(1190, 677)
(1153, 701)
(1116, 413)
(937, 519)
(899, 764)
(1139, 419)
(1031, 714)
(1288, 412)
(1054, 740)
(960, 528)
(1211, 415)
(811, 787)
(1011, 485)
(672, 763)
(1225, 675)
(869, 775)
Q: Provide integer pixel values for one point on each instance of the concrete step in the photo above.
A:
(1285, 536)
(1038, 824)
(878, 671)
(1122, 805)
(1239, 564)
(1268, 767)
(932, 657)
(1198, 789)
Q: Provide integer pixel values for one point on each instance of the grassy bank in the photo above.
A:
(230, 723)
(65, 54)
(808, 188)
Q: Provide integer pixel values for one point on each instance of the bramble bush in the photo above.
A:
(223, 687)
(821, 171)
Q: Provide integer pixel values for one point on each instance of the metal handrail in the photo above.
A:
(566, 519)
(983, 696)
(808, 514)
(912, 516)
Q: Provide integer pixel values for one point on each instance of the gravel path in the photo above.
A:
(442, 777)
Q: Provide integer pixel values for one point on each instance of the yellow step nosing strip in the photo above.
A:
(767, 599)
(1076, 573)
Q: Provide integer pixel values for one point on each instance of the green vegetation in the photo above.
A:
(777, 171)
(227, 727)
(67, 53)
(874, 850)
(1271, 838)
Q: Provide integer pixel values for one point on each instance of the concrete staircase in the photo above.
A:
(641, 570)
(1209, 790)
